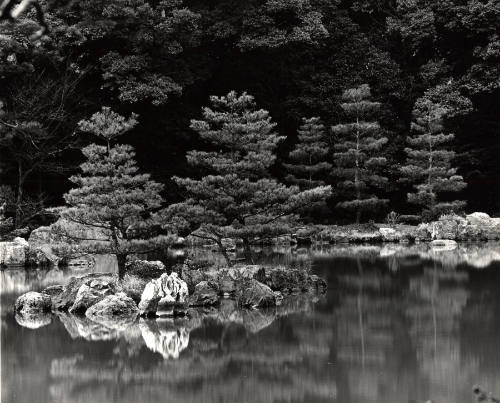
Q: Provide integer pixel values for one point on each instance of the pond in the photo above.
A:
(398, 324)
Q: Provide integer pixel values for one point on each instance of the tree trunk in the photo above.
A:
(356, 172)
(121, 259)
(223, 251)
(247, 251)
(19, 198)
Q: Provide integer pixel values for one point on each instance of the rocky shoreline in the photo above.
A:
(45, 249)
(109, 301)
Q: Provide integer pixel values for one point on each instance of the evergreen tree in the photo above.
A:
(357, 153)
(238, 199)
(111, 196)
(428, 165)
(308, 166)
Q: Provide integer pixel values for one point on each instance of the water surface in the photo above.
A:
(398, 324)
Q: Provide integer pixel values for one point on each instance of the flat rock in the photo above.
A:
(253, 294)
(66, 299)
(91, 293)
(113, 308)
(205, 294)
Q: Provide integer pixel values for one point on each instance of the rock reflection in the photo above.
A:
(162, 336)
(33, 321)
(411, 325)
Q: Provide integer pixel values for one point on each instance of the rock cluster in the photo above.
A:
(103, 299)
(473, 227)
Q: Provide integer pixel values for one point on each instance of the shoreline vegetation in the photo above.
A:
(50, 245)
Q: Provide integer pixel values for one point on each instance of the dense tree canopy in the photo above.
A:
(238, 198)
(163, 59)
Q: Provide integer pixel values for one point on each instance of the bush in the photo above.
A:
(133, 286)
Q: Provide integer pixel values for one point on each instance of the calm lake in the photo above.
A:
(398, 324)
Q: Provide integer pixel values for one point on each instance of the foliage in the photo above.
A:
(164, 58)
(357, 153)
(238, 198)
(113, 197)
(308, 167)
(429, 163)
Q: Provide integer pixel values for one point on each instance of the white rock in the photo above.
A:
(387, 231)
(21, 241)
(167, 290)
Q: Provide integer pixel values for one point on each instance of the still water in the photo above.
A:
(397, 325)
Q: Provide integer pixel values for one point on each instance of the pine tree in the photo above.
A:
(308, 166)
(112, 196)
(238, 199)
(357, 153)
(428, 165)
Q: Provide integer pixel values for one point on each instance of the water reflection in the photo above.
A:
(407, 326)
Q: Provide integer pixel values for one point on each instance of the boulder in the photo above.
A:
(33, 303)
(485, 226)
(66, 299)
(91, 293)
(290, 280)
(390, 234)
(254, 294)
(64, 231)
(13, 253)
(192, 277)
(205, 294)
(163, 294)
(41, 256)
(145, 268)
(53, 290)
(113, 308)
(150, 297)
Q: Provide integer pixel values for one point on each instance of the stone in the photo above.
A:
(91, 293)
(289, 280)
(390, 234)
(150, 297)
(41, 256)
(163, 294)
(66, 299)
(192, 277)
(64, 231)
(53, 290)
(12, 253)
(205, 294)
(254, 294)
(112, 308)
(33, 303)
(21, 241)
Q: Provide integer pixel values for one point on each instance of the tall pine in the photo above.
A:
(357, 154)
(429, 161)
(111, 196)
(308, 164)
(237, 198)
